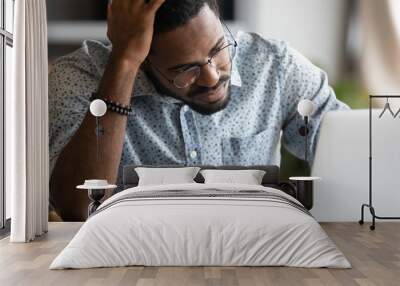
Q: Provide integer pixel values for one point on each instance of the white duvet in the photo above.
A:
(203, 231)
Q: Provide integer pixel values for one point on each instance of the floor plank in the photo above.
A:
(375, 257)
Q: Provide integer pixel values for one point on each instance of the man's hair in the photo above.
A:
(176, 13)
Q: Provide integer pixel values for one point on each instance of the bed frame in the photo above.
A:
(270, 179)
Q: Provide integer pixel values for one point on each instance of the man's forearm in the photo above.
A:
(130, 30)
(78, 160)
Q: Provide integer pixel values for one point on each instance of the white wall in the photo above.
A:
(342, 162)
(314, 27)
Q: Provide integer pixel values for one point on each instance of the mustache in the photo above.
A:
(200, 90)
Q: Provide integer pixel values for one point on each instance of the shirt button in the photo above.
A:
(185, 108)
(193, 154)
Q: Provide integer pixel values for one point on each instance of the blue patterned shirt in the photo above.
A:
(268, 80)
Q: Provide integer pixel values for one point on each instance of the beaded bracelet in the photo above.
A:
(117, 107)
(114, 106)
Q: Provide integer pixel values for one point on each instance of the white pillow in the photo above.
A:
(249, 177)
(162, 176)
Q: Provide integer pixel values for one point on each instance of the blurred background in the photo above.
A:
(355, 41)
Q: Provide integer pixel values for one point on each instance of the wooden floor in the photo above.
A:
(375, 257)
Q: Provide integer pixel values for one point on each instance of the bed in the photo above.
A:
(202, 224)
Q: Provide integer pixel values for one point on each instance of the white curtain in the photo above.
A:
(27, 156)
(380, 45)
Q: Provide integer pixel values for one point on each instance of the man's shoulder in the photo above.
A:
(92, 55)
(256, 51)
(253, 44)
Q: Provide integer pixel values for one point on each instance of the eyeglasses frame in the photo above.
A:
(209, 61)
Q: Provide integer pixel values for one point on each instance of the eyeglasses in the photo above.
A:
(219, 59)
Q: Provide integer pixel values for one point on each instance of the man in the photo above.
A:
(198, 96)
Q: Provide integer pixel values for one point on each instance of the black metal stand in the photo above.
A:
(306, 145)
(305, 193)
(95, 197)
(370, 205)
(303, 130)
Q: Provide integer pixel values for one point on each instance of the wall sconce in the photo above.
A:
(305, 108)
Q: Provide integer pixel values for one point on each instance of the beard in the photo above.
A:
(195, 93)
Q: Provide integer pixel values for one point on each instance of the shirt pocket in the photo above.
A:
(262, 148)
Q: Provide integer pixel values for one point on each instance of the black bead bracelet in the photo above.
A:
(114, 106)
(118, 108)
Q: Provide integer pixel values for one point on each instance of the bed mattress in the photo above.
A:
(201, 225)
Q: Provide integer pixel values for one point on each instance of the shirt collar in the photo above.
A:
(236, 80)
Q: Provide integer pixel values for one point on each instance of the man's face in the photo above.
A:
(184, 48)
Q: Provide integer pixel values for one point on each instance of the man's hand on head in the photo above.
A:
(131, 27)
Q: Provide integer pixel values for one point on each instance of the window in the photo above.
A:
(6, 44)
